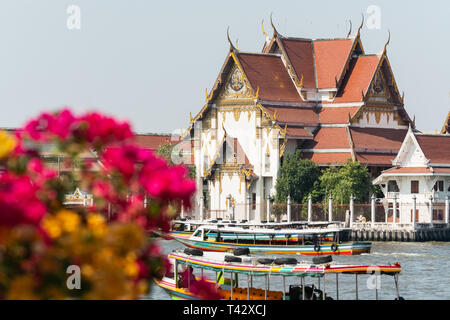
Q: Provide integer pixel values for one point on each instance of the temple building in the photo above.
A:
(326, 97)
(420, 174)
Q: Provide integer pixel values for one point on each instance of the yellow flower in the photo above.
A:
(7, 144)
(52, 226)
(96, 223)
(22, 288)
(68, 220)
(131, 267)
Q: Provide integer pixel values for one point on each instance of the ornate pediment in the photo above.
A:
(379, 90)
(236, 86)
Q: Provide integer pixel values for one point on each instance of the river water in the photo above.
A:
(424, 274)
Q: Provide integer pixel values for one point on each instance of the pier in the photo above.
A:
(375, 221)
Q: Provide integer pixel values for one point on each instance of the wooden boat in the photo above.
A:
(277, 241)
(184, 228)
(269, 269)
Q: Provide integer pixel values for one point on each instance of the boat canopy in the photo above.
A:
(241, 230)
(216, 261)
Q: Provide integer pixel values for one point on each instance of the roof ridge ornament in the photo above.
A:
(361, 25)
(350, 31)
(387, 42)
(275, 32)
(232, 47)
(264, 32)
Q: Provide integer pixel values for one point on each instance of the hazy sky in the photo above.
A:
(150, 62)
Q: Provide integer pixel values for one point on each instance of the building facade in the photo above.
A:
(326, 97)
(420, 178)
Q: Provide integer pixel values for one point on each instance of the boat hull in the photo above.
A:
(352, 248)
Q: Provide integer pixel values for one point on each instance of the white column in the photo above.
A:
(249, 207)
(414, 198)
(372, 210)
(352, 210)
(288, 208)
(182, 207)
(268, 208)
(394, 214)
(200, 213)
(330, 208)
(431, 210)
(309, 207)
(447, 210)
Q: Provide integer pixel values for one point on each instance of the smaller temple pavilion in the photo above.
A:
(418, 184)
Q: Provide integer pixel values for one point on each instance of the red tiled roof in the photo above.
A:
(268, 73)
(441, 170)
(361, 72)
(300, 53)
(298, 133)
(296, 115)
(435, 147)
(331, 56)
(327, 158)
(336, 115)
(375, 158)
(370, 139)
(408, 170)
(152, 142)
(329, 138)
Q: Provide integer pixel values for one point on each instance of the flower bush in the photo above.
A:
(133, 191)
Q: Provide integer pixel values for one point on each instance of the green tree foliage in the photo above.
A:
(296, 178)
(165, 150)
(341, 183)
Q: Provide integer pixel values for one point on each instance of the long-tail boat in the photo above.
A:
(243, 265)
(310, 241)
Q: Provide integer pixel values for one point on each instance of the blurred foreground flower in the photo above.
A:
(133, 192)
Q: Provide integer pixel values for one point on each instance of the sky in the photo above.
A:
(149, 62)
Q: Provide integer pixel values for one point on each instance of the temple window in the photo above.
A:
(439, 186)
(414, 186)
(392, 186)
(267, 163)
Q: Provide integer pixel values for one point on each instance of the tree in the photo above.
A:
(296, 178)
(351, 179)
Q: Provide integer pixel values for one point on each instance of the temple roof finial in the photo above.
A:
(387, 42)
(275, 32)
(264, 32)
(361, 25)
(350, 31)
(232, 47)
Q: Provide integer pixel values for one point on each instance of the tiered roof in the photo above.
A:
(317, 89)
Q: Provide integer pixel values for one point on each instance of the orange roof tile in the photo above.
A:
(408, 170)
(327, 158)
(329, 138)
(435, 147)
(300, 53)
(379, 159)
(329, 115)
(152, 142)
(331, 57)
(298, 133)
(268, 73)
(361, 72)
(297, 115)
(370, 139)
